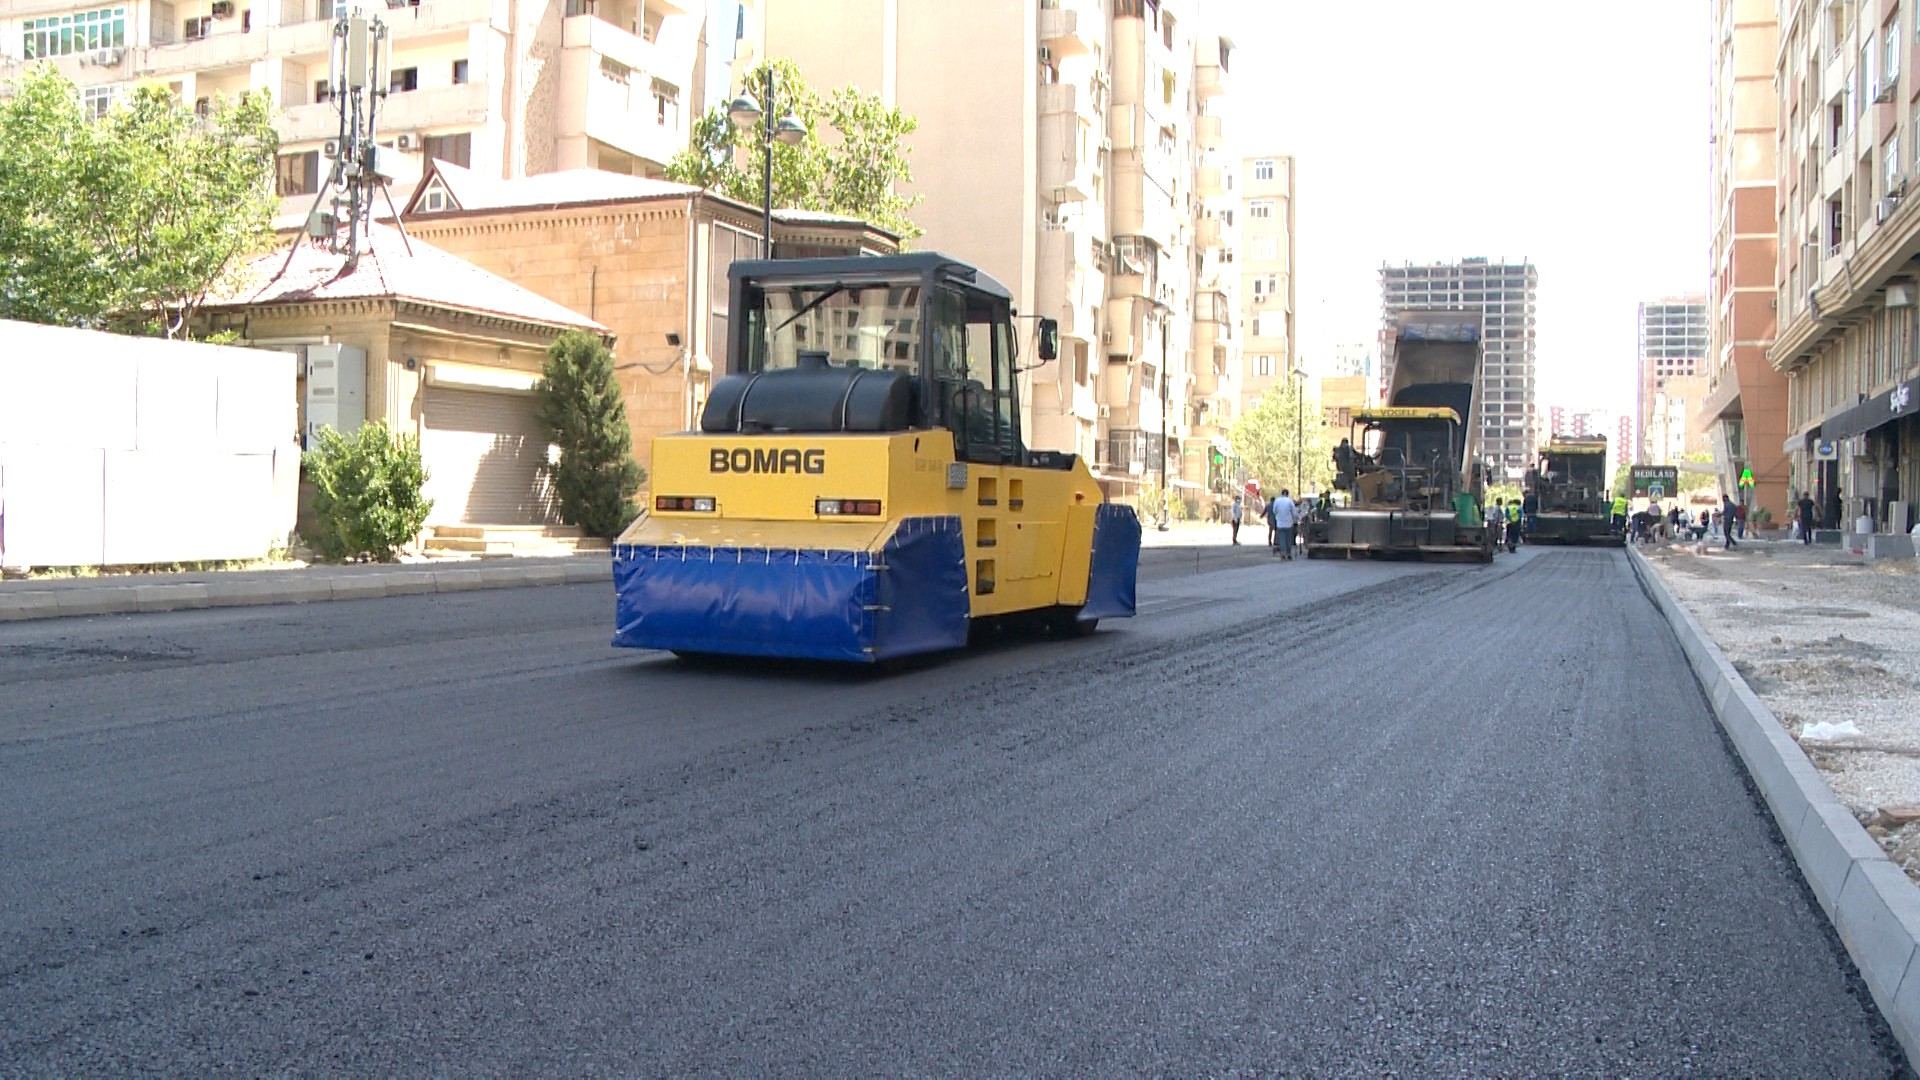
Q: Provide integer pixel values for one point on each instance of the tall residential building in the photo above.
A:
(1504, 293)
(503, 87)
(1745, 407)
(1672, 379)
(1847, 151)
(1075, 156)
(1265, 256)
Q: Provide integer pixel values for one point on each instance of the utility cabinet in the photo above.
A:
(336, 389)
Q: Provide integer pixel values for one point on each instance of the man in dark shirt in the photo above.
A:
(1805, 506)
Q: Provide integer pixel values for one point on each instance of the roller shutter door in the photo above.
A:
(483, 453)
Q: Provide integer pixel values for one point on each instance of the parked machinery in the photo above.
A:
(1568, 494)
(859, 489)
(1415, 488)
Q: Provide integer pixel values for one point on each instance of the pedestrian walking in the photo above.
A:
(1726, 519)
(1284, 516)
(1620, 513)
(1497, 520)
(1233, 520)
(1740, 519)
(1513, 527)
(1806, 508)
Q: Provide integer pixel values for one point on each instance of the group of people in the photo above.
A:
(1509, 521)
(1653, 524)
(1284, 517)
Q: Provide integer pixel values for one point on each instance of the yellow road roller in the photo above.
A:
(858, 489)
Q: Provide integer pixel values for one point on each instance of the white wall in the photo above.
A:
(121, 450)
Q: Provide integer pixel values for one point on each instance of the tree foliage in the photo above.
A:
(128, 220)
(856, 172)
(367, 493)
(1285, 441)
(580, 404)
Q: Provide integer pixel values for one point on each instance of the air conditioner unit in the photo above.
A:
(223, 9)
(1883, 210)
(1883, 89)
(407, 141)
(331, 149)
(103, 57)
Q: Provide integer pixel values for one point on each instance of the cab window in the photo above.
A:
(973, 376)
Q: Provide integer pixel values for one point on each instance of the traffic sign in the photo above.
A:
(1655, 491)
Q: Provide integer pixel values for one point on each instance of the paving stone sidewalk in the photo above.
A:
(1831, 644)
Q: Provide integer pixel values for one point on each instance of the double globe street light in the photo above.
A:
(746, 114)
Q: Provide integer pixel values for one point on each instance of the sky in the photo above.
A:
(1572, 135)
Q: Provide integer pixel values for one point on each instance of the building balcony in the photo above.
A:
(1209, 182)
(443, 19)
(1211, 132)
(210, 53)
(1122, 331)
(1210, 69)
(611, 92)
(463, 106)
(1064, 99)
(1207, 232)
(1064, 274)
(1061, 31)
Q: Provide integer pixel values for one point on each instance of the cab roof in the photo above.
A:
(915, 263)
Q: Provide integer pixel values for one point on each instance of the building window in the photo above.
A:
(1262, 366)
(459, 73)
(96, 100)
(666, 103)
(1890, 51)
(403, 80)
(1836, 226)
(452, 149)
(82, 31)
(1263, 169)
(297, 174)
(1893, 163)
(322, 91)
(1260, 208)
(195, 29)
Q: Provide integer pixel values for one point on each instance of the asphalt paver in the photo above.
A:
(1295, 819)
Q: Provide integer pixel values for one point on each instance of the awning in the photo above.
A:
(1189, 484)
(1800, 440)
(1882, 408)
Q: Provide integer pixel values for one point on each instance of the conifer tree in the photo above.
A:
(596, 476)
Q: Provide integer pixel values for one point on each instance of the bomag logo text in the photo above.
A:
(744, 460)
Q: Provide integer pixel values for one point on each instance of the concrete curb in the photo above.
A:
(1867, 898)
(19, 602)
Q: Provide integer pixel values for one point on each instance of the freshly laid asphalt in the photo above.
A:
(1295, 819)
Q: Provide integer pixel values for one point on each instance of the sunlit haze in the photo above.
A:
(1573, 135)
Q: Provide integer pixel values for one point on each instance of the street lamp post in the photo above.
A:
(1299, 431)
(1166, 497)
(746, 114)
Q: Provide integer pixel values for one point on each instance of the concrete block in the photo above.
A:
(585, 573)
(1879, 920)
(109, 600)
(1904, 1014)
(170, 597)
(278, 589)
(357, 587)
(1889, 546)
(409, 582)
(1828, 844)
(457, 580)
(20, 604)
(543, 574)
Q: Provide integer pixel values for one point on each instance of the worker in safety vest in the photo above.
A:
(1620, 513)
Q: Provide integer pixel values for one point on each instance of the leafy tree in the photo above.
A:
(1281, 446)
(367, 493)
(856, 172)
(580, 403)
(127, 221)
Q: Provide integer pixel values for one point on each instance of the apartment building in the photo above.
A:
(1077, 155)
(1848, 236)
(1504, 294)
(1265, 257)
(507, 88)
(1671, 381)
(1745, 407)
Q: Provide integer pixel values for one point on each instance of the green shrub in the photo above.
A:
(596, 478)
(367, 500)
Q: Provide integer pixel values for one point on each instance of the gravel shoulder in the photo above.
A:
(1832, 645)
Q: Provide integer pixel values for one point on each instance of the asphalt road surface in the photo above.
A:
(1295, 819)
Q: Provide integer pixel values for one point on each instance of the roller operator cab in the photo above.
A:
(858, 489)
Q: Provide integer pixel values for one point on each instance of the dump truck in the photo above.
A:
(1410, 468)
(1568, 485)
(858, 489)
